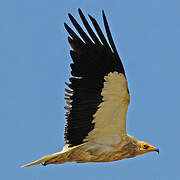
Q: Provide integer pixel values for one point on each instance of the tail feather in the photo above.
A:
(56, 158)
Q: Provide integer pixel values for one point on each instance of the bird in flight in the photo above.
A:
(97, 100)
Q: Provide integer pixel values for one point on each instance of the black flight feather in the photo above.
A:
(92, 61)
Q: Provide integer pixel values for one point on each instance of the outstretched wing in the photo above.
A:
(97, 98)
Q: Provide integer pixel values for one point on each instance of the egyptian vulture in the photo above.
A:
(97, 101)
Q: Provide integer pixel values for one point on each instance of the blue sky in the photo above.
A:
(34, 64)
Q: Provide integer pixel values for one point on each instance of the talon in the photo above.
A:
(44, 164)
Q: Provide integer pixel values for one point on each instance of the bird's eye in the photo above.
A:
(145, 146)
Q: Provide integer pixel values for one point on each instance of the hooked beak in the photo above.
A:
(157, 150)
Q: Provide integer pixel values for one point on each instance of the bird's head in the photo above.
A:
(145, 148)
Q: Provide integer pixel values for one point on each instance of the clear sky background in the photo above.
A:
(34, 64)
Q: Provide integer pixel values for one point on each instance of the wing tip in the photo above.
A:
(103, 13)
(79, 10)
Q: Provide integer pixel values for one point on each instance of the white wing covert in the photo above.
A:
(110, 118)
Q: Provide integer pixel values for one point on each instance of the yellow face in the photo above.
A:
(145, 148)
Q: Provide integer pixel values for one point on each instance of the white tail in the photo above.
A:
(57, 158)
